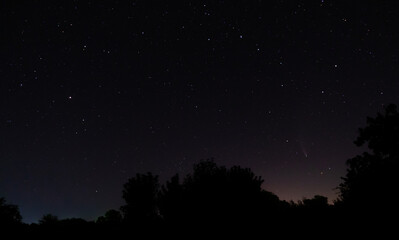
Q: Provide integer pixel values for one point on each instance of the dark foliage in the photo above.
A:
(218, 194)
(317, 202)
(49, 220)
(211, 195)
(371, 178)
(111, 217)
(9, 213)
(140, 194)
(231, 200)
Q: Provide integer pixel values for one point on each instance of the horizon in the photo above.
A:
(94, 218)
(93, 93)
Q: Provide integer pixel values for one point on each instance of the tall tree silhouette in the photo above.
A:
(140, 194)
(171, 200)
(371, 178)
(9, 213)
(205, 192)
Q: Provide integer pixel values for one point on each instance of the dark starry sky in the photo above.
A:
(93, 92)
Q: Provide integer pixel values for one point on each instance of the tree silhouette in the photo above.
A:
(316, 203)
(213, 194)
(140, 194)
(171, 200)
(49, 220)
(111, 217)
(371, 178)
(204, 192)
(9, 213)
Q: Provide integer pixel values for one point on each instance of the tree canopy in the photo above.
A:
(371, 178)
(9, 213)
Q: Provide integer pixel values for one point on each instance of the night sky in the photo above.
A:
(93, 92)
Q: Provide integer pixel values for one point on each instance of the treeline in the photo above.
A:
(214, 197)
(211, 193)
(211, 196)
